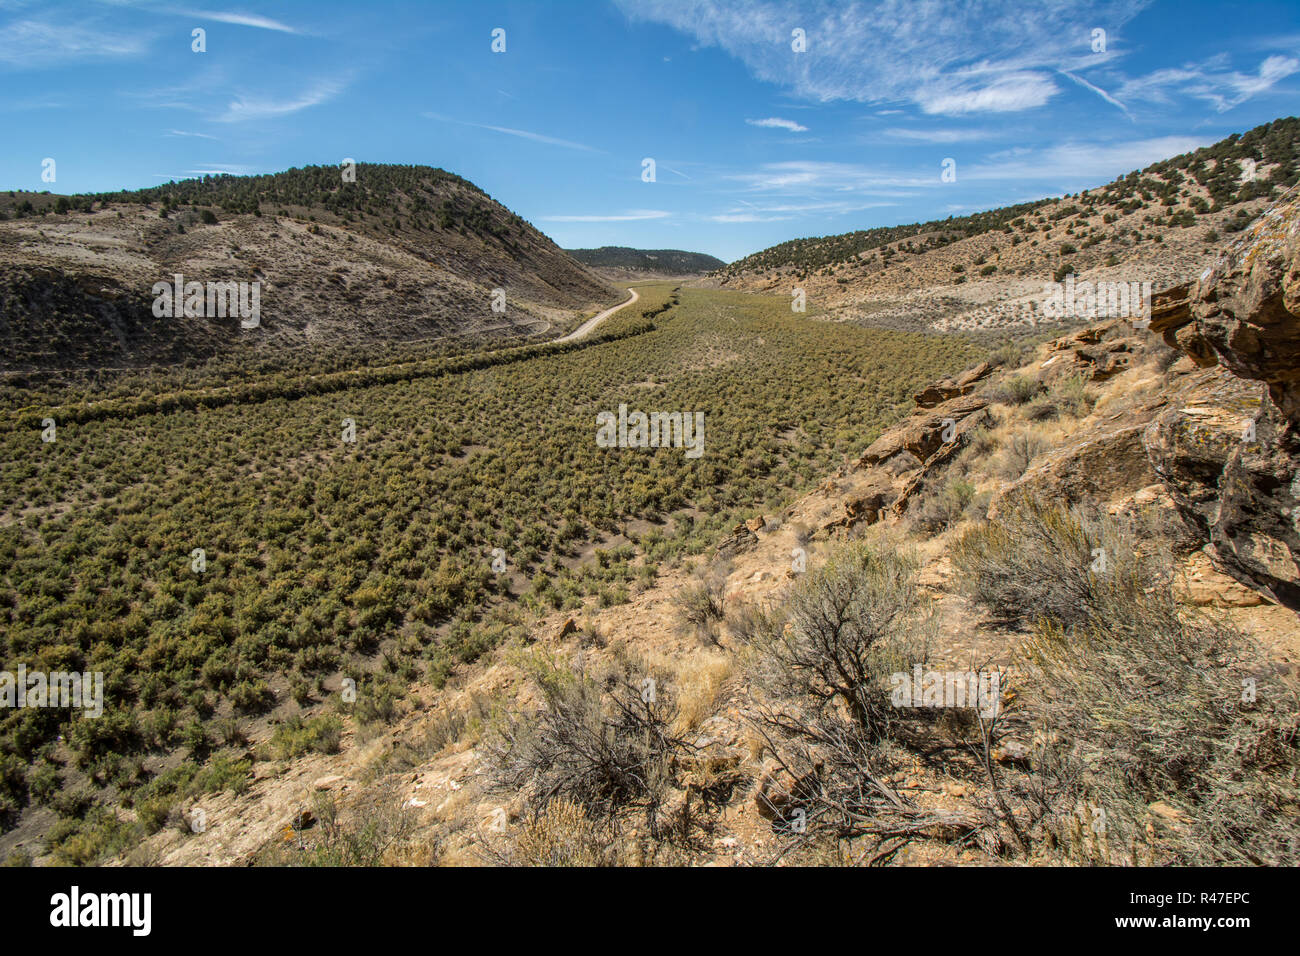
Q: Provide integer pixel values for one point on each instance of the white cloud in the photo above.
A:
(40, 43)
(1010, 93)
(944, 56)
(1211, 82)
(1100, 92)
(242, 109)
(521, 133)
(805, 176)
(747, 217)
(774, 122)
(936, 135)
(240, 19)
(1098, 162)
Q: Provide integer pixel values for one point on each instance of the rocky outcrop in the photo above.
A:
(950, 388)
(922, 434)
(1095, 353)
(740, 540)
(1244, 311)
(902, 462)
(1229, 449)
(1094, 469)
(1232, 463)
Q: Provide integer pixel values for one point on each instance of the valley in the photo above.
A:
(368, 584)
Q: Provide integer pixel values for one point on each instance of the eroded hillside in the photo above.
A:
(394, 255)
(1163, 225)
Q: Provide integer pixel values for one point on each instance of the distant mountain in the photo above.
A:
(664, 261)
(394, 254)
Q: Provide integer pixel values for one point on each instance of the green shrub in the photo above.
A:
(298, 736)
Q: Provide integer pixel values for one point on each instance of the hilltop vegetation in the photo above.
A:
(665, 261)
(398, 255)
(1274, 147)
(804, 255)
(1162, 225)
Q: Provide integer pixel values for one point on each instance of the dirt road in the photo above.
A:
(582, 331)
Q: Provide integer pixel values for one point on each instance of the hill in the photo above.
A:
(673, 262)
(402, 254)
(1160, 224)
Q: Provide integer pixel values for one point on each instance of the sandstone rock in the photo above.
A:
(867, 506)
(740, 540)
(1245, 309)
(921, 433)
(1202, 584)
(974, 374)
(569, 627)
(778, 792)
(950, 388)
(939, 392)
(1094, 362)
(928, 478)
(1093, 469)
(1241, 494)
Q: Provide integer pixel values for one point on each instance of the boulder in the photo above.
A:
(922, 433)
(739, 541)
(867, 506)
(1245, 309)
(1094, 469)
(950, 388)
(1231, 461)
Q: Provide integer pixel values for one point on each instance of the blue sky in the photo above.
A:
(753, 142)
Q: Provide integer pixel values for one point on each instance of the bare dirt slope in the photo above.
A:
(76, 286)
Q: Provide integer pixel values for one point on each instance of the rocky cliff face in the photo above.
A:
(1229, 449)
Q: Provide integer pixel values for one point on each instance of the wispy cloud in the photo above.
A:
(633, 215)
(521, 133)
(807, 176)
(775, 122)
(747, 217)
(1100, 92)
(1003, 94)
(256, 108)
(181, 132)
(33, 43)
(1211, 82)
(936, 135)
(1098, 162)
(780, 212)
(946, 58)
(240, 19)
